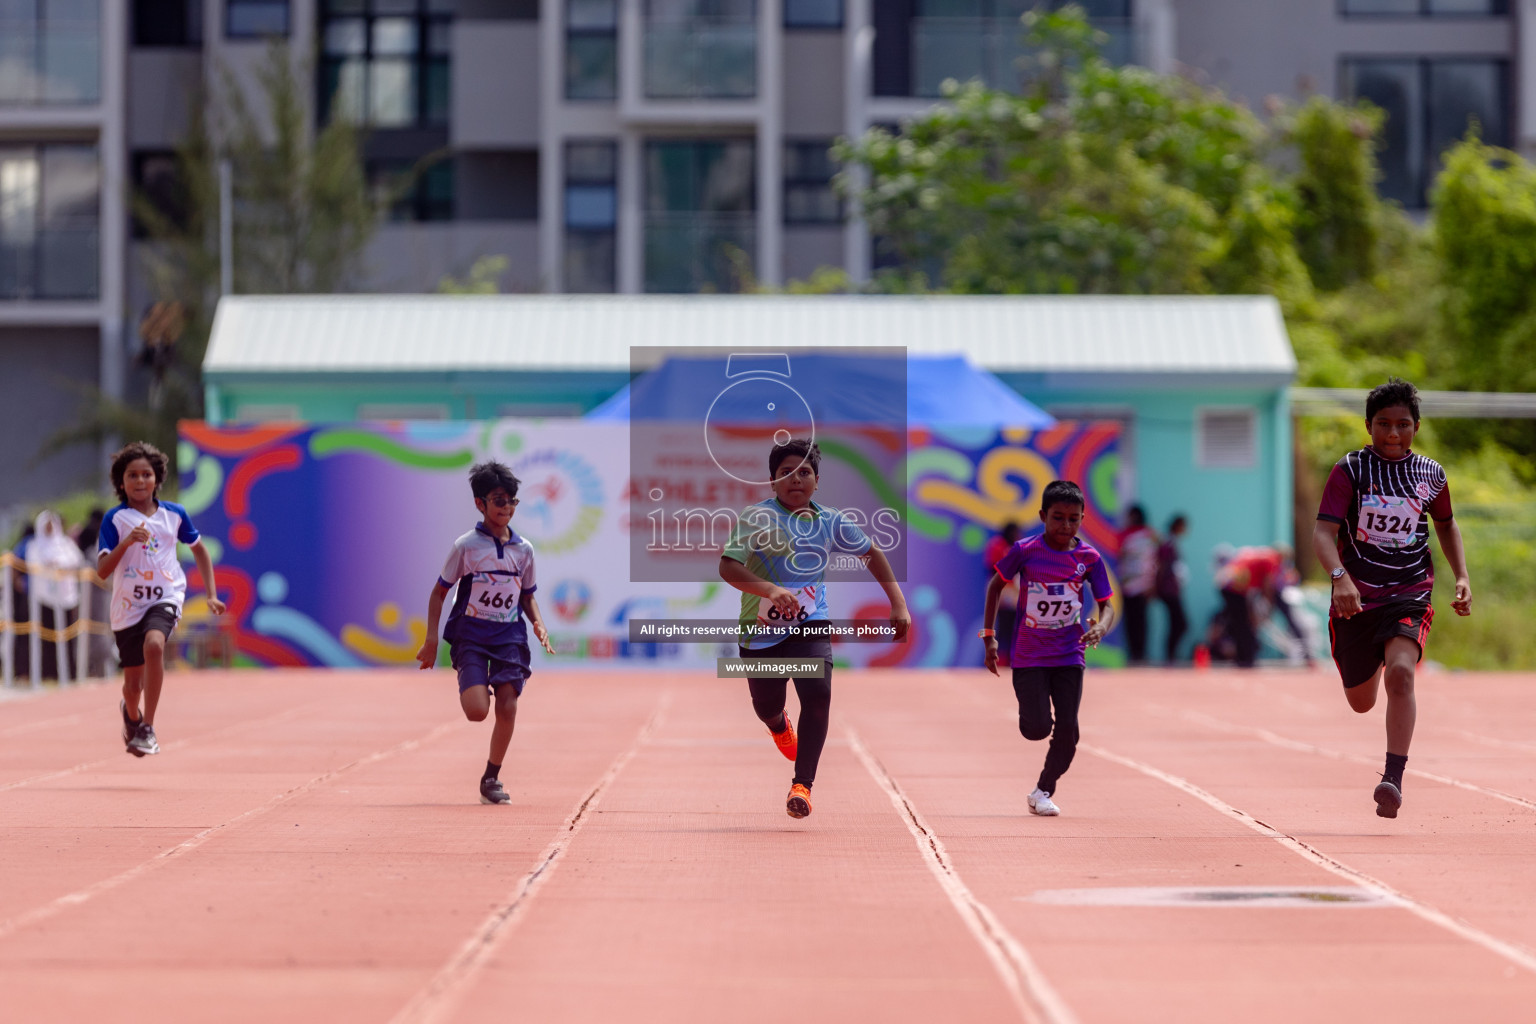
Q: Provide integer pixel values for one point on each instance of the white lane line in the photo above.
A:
(75, 899)
(1286, 743)
(1493, 742)
(171, 747)
(46, 723)
(1036, 1000)
(1518, 955)
(441, 995)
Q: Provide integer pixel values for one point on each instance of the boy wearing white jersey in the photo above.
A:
(137, 549)
(486, 632)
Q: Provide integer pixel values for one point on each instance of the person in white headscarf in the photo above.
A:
(53, 563)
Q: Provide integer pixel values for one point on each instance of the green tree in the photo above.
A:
(302, 217)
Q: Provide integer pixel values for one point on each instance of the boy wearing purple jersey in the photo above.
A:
(487, 630)
(1052, 568)
(1384, 494)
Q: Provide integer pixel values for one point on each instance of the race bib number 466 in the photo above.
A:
(1053, 605)
(493, 597)
(1387, 521)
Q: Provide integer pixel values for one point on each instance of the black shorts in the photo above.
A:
(130, 641)
(1360, 643)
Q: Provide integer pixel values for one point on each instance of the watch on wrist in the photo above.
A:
(1336, 574)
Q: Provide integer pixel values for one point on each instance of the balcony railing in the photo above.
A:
(57, 62)
(701, 58)
(990, 49)
(55, 263)
(694, 252)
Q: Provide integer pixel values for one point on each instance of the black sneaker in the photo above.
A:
(143, 741)
(130, 729)
(492, 793)
(1389, 797)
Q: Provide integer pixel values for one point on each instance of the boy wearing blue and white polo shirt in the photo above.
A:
(777, 557)
(137, 549)
(486, 632)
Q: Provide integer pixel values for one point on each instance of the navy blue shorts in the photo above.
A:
(476, 666)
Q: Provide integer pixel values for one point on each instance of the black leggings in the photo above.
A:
(815, 695)
(1037, 690)
(1178, 624)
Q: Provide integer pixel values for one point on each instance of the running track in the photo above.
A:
(309, 847)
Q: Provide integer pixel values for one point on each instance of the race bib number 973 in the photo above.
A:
(1053, 605)
(1387, 521)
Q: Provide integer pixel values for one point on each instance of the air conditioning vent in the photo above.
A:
(1226, 439)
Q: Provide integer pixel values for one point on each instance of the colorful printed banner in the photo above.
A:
(328, 539)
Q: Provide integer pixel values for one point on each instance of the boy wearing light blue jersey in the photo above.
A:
(777, 557)
(487, 632)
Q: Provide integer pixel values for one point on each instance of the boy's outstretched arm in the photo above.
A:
(530, 605)
(428, 653)
(1099, 627)
(1450, 546)
(880, 568)
(205, 569)
(995, 587)
(743, 579)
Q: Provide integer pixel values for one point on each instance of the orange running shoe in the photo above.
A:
(788, 745)
(799, 803)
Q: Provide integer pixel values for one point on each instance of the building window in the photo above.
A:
(809, 197)
(50, 52)
(700, 214)
(50, 222)
(591, 49)
(813, 13)
(255, 19)
(591, 216)
(1425, 8)
(167, 23)
(700, 49)
(1429, 104)
(385, 62)
(158, 183)
(409, 192)
(1226, 438)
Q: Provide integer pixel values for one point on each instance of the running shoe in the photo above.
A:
(130, 729)
(1040, 803)
(492, 793)
(788, 745)
(1389, 797)
(144, 741)
(799, 803)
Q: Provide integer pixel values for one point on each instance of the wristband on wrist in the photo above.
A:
(986, 634)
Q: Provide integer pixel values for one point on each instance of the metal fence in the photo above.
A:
(67, 630)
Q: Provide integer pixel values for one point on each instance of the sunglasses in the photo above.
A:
(501, 501)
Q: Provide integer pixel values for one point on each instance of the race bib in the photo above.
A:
(147, 588)
(1053, 605)
(1387, 521)
(493, 597)
(769, 615)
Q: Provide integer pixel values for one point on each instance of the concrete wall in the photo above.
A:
(40, 393)
(807, 248)
(415, 257)
(162, 86)
(495, 84)
(813, 83)
(1293, 48)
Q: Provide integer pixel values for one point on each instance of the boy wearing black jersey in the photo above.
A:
(1383, 496)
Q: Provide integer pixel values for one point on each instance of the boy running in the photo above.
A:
(486, 632)
(1048, 647)
(137, 548)
(1381, 568)
(777, 557)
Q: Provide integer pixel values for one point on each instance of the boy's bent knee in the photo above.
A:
(1034, 730)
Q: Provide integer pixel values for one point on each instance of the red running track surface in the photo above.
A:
(310, 847)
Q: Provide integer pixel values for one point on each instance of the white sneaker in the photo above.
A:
(1040, 803)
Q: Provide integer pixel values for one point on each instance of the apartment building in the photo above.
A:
(608, 145)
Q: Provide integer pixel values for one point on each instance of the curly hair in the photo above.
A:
(485, 477)
(132, 452)
(1395, 391)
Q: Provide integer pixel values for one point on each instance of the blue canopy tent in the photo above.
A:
(944, 390)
